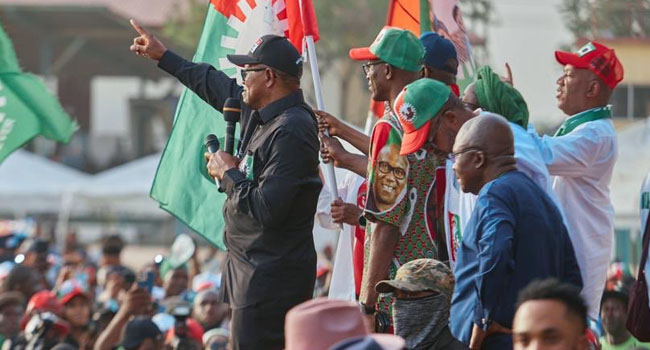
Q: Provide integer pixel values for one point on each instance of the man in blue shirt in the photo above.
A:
(514, 236)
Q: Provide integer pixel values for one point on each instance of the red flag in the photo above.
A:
(309, 22)
(301, 21)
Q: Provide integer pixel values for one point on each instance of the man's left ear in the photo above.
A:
(480, 160)
(269, 76)
(594, 88)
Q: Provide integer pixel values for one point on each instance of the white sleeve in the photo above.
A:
(325, 199)
(574, 154)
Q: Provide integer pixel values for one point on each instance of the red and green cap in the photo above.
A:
(596, 57)
(395, 46)
(415, 107)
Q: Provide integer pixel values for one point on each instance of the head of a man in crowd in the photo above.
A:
(175, 281)
(112, 246)
(216, 339)
(489, 93)
(613, 312)
(42, 302)
(431, 116)
(391, 170)
(36, 254)
(551, 316)
(142, 334)
(270, 70)
(185, 335)
(12, 307)
(393, 60)
(76, 304)
(24, 280)
(319, 323)
(422, 289)
(484, 149)
(440, 61)
(589, 77)
(208, 310)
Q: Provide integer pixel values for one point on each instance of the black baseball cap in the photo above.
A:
(274, 51)
(137, 330)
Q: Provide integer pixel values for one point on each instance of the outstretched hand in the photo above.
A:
(146, 45)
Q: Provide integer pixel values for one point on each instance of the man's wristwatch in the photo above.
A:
(367, 309)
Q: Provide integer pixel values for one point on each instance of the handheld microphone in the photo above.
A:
(212, 145)
(231, 113)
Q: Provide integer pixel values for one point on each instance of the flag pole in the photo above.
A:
(320, 104)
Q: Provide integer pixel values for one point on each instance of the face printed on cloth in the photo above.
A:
(390, 171)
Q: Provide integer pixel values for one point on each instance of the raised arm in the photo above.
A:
(212, 85)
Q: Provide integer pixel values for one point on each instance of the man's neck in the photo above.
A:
(620, 338)
(276, 95)
(493, 172)
(396, 88)
(589, 106)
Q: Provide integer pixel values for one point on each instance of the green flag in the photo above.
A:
(181, 185)
(27, 108)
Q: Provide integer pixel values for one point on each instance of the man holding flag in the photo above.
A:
(272, 183)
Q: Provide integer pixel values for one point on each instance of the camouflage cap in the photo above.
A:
(421, 275)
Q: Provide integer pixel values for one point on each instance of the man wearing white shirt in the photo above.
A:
(581, 156)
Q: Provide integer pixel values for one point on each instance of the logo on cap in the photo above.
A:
(256, 45)
(407, 112)
(589, 47)
(380, 36)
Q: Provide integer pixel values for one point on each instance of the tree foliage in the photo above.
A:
(607, 18)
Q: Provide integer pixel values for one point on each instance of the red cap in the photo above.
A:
(43, 301)
(596, 57)
(194, 331)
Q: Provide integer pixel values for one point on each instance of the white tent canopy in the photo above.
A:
(33, 184)
(124, 189)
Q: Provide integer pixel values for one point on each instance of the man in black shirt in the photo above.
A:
(272, 183)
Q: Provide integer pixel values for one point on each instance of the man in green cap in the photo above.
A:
(423, 289)
(402, 201)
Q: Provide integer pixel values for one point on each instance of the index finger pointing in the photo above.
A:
(137, 27)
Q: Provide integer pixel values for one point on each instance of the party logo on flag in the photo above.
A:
(247, 21)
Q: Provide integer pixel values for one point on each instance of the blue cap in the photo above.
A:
(437, 50)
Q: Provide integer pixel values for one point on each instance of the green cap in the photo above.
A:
(421, 275)
(415, 107)
(397, 47)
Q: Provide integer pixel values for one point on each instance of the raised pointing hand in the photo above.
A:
(146, 45)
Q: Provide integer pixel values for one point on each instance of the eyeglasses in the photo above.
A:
(385, 168)
(244, 72)
(471, 106)
(366, 66)
(456, 155)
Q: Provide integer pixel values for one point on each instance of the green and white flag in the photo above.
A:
(181, 185)
(27, 107)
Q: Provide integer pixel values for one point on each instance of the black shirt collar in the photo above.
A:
(276, 107)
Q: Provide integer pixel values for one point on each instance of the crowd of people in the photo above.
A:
(67, 299)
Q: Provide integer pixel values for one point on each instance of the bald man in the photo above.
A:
(514, 236)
